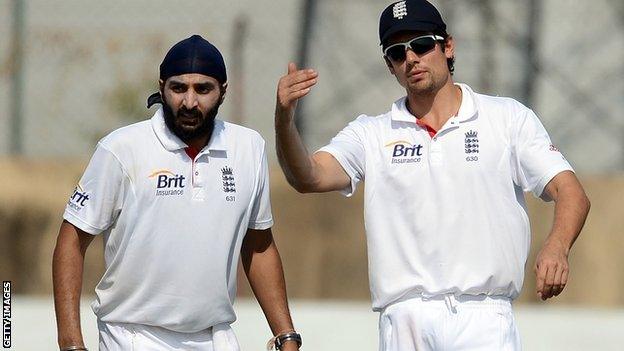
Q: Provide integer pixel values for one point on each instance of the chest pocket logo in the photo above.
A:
(227, 175)
(168, 183)
(405, 152)
(471, 145)
(229, 183)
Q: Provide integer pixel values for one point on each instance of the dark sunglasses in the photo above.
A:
(419, 45)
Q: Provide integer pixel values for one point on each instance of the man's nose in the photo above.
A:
(190, 99)
(411, 56)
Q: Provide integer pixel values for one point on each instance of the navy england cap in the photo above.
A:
(417, 15)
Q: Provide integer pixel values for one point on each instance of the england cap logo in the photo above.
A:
(399, 10)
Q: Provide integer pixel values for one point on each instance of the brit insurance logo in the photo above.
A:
(405, 152)
(471, 145)
(78, 199)
(168, 183)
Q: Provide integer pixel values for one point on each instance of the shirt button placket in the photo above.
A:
(196, 176)
(198, 184)
(435, 151)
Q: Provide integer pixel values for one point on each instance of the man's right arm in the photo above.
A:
(319, 172)
(67, 268)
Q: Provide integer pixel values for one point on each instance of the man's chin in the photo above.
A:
(189, 126)
(421, 87)
(189, 131)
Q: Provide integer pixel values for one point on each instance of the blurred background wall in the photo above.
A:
(71, 71)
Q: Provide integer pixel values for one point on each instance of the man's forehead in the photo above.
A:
(192, 78)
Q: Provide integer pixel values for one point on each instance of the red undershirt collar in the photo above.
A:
(191, 152)
(432, 132)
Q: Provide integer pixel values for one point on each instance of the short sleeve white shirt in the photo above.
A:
(446, 214)
(172, 226)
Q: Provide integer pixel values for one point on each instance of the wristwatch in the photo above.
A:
(277, 342)
(282, 338)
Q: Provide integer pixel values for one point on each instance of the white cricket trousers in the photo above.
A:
(137, 337)
(449, 323)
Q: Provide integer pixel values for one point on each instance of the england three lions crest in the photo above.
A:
(472, 142)
(227, 175)
(399, 10)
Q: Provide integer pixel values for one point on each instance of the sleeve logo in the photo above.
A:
(78, 199)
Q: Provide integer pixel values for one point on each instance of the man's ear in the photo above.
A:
(389, 64)
(449, 47)
(223, 91)
(161, 86)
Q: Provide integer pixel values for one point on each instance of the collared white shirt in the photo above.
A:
(173, 226)
(446, 214)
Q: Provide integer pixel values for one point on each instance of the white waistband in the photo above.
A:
(451, 301)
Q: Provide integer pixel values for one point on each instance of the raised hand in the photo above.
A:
(291, 87)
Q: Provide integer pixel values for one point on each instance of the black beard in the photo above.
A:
(205, 128)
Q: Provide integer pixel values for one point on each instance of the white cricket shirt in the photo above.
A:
(172, 226)
(446, 214)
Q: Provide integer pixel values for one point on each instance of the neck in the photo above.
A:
(437, 107)
(198, 143)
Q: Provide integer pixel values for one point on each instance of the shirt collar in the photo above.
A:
(467, 108)
(171, 142)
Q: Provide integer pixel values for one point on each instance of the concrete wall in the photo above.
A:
(321, 237)
(88, 67)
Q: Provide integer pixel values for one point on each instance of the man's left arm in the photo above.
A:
(263, 267)
(571, 209)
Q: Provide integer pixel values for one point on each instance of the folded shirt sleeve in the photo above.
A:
(537, 161)
(261, 216)
(97, 200)
(348, 148)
